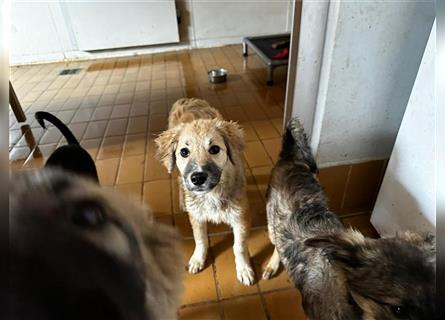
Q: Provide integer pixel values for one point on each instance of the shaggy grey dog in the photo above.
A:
(340, 273)
(79, 251)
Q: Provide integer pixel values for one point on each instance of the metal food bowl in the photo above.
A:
(217, 75)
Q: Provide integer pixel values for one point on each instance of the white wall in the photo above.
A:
(440, 137)
(309, 57)
(216, 22)
(369, 59)
(41, 32)
(406, 200)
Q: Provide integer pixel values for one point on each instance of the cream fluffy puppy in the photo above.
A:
(208, 153)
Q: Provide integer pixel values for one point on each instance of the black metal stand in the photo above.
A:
(264, 47)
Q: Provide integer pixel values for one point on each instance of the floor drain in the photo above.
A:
(69, 71)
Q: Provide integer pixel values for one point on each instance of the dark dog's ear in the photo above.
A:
(166, 144)
(425, 241)
(345, 248)
(233, 137)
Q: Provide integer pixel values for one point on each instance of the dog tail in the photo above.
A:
(295, 145)
(42, 115)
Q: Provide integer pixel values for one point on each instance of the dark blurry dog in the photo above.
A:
(71, 157)
(81, 252)
(340, 273)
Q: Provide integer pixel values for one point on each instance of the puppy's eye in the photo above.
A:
(399, 312)
(184, 152)
(214, 150)
(88, 215)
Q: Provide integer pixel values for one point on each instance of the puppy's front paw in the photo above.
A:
(195, 265)
(245, 275)
(268, 273)
(272, 265)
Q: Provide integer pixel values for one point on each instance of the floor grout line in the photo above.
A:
(247, 295)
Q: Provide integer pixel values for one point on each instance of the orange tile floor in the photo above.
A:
(116, 107)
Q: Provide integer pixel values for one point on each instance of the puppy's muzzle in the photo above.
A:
(199, 178)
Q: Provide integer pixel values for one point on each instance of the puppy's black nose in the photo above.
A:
(198, 178)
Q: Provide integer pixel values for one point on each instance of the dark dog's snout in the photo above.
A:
(198, 178)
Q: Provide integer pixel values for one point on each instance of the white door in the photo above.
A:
(106, 25)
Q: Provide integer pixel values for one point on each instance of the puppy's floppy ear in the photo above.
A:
(166, 144)
(345, 249)
(233, 136)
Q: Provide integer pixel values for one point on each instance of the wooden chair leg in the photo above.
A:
(15, 105)
(31, 141)
(269, 80)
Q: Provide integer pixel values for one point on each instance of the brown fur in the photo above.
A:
(125, 267)
(222, 198)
